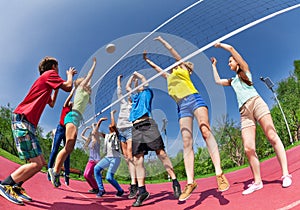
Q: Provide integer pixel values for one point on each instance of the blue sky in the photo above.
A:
(72, 31)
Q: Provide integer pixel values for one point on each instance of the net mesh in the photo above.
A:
(202, 23)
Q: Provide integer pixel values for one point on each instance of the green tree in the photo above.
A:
(230, 143)
(288, 93)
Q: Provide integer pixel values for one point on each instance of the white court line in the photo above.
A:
(84, 195)
(290, 206)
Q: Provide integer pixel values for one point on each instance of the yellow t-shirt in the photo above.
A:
(180, 84)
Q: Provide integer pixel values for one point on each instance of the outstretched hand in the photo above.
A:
(72, 71)
(213, 61)
(145, 55)
(218, 45)
(159, 38)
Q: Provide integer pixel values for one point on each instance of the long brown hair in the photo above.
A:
(242, 75)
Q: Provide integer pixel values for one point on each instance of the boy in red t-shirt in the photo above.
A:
(25, 119)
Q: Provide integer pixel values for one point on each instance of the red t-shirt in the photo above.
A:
(65, 110)
(39, 96)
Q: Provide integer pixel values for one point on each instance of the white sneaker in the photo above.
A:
(286, 180)
(252, 188)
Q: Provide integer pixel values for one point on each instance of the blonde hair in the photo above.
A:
(88, 89)
(189, 65)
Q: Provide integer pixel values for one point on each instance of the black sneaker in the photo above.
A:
(67, 180)
(54, 177)
(100, 193)
(7, 192)
(140, 199)
(133, 190)
(94, 191)
(120, 193)
(177, 191)
(20, 191)
(48, 176)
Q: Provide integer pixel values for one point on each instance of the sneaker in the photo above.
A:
(7, 192)
(100, 193)
(253, 187)
(94, 191)
(120, 193)
(133, 190)
(177, 191)
(286, 180)
(223, 183)
(189, 188)
(67, 180)
(48, 176)
(20, 191)
(140, 199)
(54, 177)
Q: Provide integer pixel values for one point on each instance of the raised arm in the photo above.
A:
(87, 79)
(83, 133)
(154, 66)
(67, 85)
(119, 89)
(140, 77)
(69, 97)
(129, 82)
(96, 128)
(239, 59)
(169, 47)
(223, 82)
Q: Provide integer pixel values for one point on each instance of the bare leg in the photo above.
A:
(71, 135)
(186, 128)
(26, 171)
(162, 155)
(248, 136)
(140, 169)
(267, 125)
(212, 146)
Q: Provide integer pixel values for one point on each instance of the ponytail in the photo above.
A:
(242, 75)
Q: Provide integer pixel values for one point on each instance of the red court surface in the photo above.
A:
(75, 196)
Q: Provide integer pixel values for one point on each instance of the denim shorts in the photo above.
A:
(27, 143)
(189, 104)
(125, 134)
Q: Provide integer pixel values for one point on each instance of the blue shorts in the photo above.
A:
(125, 134)
(27, 143)
(189, 104)
(73, 117)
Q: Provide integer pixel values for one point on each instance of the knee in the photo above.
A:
(69, 149)
(272, 136)
(187, 142)
(249, 151)
(97, 169)
(109, 177)
(205, 133)
(37, 166)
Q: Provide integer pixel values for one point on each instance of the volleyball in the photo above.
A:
(110, 48)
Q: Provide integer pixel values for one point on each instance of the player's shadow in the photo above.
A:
(205, 194)
(265, 182)
(157, 197)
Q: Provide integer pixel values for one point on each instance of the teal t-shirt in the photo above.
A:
(243, 91)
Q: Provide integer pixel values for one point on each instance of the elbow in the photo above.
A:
(218, 82)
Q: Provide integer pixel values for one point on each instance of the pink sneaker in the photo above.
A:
(253, 187)
(286, 180)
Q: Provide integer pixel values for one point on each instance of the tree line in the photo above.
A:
(227, 133)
